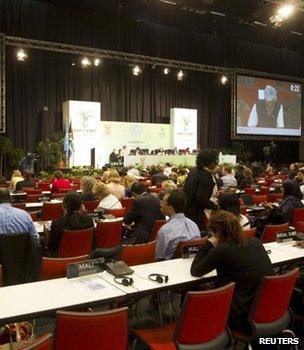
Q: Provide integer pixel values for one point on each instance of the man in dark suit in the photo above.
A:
(200, 187)
(144, 212)
(27, 182)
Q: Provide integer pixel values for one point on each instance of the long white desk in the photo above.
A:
(151, 159)
(178, 271)
(28, 300)
(45, 297)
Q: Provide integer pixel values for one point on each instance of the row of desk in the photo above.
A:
(43, 298)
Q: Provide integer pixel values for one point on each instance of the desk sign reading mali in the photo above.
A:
(190, 250)
(287, 236)
(86, 267)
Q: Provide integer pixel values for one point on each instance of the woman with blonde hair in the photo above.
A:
(127, 182)
(237, 259)
(169, 185)
(107, 200)
(86, 185)
(16, 177)
(114, 185)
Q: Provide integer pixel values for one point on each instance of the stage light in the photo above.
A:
(21, 55)
(73, 63)
(282, 15)
(136, 70)
(97, 62)
(180, 75)
(285, 11)
(224, 79)
(85, 62)
(166, 71)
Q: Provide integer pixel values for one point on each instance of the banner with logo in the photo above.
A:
(81, 122)
(115, 135)
(184, 128)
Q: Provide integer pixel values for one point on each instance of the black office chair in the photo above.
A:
(20, 257)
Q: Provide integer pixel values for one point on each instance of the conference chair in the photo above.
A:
(32, 198)
(157, 225)
(274, 197)
(270, 232)
(90, 206)
(59, 196)
(57, 267)
(193, 242)
(250, 232)
(51, 211)
(65, 190)
(300, 226)
(259, 199)
(20, 205)
(106, 330)
(138, 254)
(298, 215)
(75, 243)
(118, 213)
(264, 191)
(31, 190)
(202, 323)
(108, 239)
(127, 203)
(43, 186)
(250, 190)
(269, 314)
(20, 257)
(42, 343)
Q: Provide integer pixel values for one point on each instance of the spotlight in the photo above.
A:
(285, 11)
(136, 70)
(180, 75)
(166, 71)
(21, 55)
(224, 79)
(85, 62)
(73, 63)
(96, 62)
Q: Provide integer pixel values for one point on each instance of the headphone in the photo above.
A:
(159, 278)
(125, 281)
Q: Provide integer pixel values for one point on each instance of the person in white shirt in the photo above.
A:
(228, 179)
(107, 200)
(124, 152)
(267, 113)
(178, 228)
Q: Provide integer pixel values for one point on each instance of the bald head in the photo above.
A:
(5, 196)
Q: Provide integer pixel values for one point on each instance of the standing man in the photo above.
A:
(178, 228)
(201, 189)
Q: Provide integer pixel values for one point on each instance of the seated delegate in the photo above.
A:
(74, 218)
(178, 228)
(237, 259)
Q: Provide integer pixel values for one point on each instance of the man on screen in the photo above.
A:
(267, 113)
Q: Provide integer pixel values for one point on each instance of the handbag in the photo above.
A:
(16, 335)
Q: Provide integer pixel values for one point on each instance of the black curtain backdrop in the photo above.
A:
(49, 79)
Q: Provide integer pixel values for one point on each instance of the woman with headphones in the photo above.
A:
(237, 259)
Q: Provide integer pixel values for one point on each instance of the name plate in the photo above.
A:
(287, 236)
(191, 250)
(86, 267)
(96, 215)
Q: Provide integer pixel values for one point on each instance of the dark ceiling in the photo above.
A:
(245, 19)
